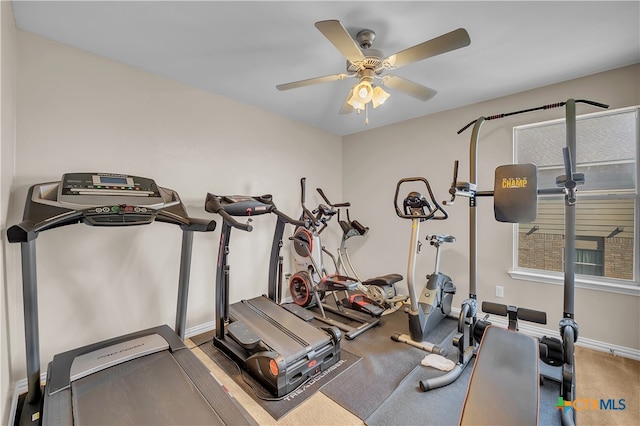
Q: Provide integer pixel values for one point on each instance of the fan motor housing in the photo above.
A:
(373, 60)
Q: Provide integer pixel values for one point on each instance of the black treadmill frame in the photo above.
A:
(42, 212)
(312, 357)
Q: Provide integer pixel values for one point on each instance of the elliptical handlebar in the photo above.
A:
(433, 208)
(324, 197)
(307, 216)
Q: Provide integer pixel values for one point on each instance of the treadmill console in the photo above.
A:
(110, 199)
(84, 188)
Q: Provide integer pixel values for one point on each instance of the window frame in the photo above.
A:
(613, 285)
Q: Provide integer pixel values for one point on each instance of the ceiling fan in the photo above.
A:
(369, 65)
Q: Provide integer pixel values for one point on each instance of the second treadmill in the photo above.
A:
(279, 349)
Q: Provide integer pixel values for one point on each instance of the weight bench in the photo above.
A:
(505, 382)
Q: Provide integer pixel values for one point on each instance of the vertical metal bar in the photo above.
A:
(411, 267)
(570, 215)
(31, 334)
(437, 268)
(353, 270)
(276, 245)
(278, 292)
(473, 213)
(221, 296)
(183, 282)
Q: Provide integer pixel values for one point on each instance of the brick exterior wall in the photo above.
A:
(618, 254)
(545, 252)
(540, 251)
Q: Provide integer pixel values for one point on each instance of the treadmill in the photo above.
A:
(147, 377)
(278, 348)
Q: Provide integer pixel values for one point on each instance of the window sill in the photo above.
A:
(630, 288)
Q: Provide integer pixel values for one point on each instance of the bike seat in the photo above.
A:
(383, 280)
(441, 238)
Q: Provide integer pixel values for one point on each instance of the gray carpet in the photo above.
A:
(408, 405)
(443, 406)
(390, 373)
(384, 365)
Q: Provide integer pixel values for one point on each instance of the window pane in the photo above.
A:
(606, 150)
(605, 220)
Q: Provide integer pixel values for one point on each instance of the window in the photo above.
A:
(606, 211)
(590, 256)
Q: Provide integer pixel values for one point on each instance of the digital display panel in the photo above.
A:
(113, 180)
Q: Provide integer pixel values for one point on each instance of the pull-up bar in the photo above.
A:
(549, 106)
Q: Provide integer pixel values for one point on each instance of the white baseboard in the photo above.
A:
(532, 330)
(584, 342)
(199, 329)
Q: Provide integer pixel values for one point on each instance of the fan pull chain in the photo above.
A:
(366, 113)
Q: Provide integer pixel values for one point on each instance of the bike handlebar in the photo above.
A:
(432, 210)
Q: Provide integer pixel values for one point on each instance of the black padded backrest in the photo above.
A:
(515, 193)
(504, 387)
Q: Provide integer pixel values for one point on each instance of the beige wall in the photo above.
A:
(7, 144)
(428, 146)
(80, 112)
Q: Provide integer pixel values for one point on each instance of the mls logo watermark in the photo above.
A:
(587, 404)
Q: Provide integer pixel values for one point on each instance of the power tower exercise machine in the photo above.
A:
(311, 282)
(428, 308)
(147, 377)
(279, 349)
(380, 289)
(514, 202)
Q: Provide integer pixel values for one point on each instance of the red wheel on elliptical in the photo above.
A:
(301, 289)
(302, 242)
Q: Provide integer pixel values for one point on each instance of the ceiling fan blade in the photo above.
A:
(410, 88)
(310, 81)
(445, 43)
(346, 108)
(340, 38)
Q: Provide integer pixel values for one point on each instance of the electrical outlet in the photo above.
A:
(499, 291)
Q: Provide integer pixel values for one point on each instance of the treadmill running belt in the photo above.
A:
(149, 390)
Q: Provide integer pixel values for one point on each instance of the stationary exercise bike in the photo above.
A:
(428, 309)
(311, 282)
(380, 289)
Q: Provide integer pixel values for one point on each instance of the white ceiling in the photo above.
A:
(242, 49)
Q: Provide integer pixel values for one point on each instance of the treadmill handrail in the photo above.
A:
(288, 219)
(213, 205)
(27, 230)
(56, 216)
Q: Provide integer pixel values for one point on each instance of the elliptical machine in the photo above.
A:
(428, 309)
(311, 282)
(380, 289)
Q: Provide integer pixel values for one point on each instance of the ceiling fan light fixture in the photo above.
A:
(356, 104)
(379, 96)
(362, 93)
